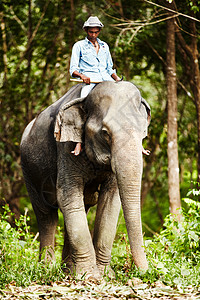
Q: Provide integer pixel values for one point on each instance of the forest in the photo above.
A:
(155, 45)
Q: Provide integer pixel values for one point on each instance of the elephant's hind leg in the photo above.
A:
(47, 223)
(47, 218)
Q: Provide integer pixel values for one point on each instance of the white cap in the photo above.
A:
(93, 22)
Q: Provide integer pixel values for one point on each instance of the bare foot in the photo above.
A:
(77, 149)
(146, 152)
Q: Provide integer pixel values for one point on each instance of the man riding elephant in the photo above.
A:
(111, 119)
(91, 59)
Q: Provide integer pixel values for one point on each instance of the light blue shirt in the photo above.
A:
(85, 60)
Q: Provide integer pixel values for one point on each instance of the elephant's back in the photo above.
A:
(38, 145)
(43, 124)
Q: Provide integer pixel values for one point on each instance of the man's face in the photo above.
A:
(92, 33)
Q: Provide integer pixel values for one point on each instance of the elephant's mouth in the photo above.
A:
(99, 152)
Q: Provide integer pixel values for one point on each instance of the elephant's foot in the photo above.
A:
(88, 273)
(67, 264)
(47, 254)
(67, 268)
(94, 278)
(106, 270)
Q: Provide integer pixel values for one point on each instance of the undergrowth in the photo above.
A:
(173, 254)
(19, 253)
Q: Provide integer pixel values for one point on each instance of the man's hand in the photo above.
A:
(81, 76)
(85, 79)
(115, 77)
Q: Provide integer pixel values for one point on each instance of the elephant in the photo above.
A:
(110, 123)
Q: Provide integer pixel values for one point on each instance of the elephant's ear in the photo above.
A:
(70, 122)
(148, 109)
(146, 113)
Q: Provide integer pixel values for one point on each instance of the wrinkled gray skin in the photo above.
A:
(107, 172)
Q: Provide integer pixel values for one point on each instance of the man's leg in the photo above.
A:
(87, 89)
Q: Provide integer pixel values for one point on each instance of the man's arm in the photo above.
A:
(74, 63)
(110, 65)
(81, 76)
(115, 77)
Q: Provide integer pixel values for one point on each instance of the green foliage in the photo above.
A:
(173, 254)
(35, 76)
(35, 72)
(19, 255)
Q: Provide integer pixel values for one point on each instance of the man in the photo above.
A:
(91, 60)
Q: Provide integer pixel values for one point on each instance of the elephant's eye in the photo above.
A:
(105, 134)
(104, 131)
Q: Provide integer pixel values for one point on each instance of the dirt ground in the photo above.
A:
(106, 290)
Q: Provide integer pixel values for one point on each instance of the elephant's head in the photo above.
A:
(113, 120)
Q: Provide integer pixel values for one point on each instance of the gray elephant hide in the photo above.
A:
(69, 124)
(71, 119)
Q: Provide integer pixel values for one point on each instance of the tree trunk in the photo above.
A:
(71, 38)
(172, 147)
(5, 59)
(191, 63)
(27, 84)
(196, 85)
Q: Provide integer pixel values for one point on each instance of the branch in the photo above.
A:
(166, 8)
(163, 61)
(134, 34)
(183, 43)
(39, 22)
(147, 23)
(17, 19)
(5, 59)
(33, 35)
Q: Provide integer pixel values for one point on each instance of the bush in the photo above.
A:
(173, 254)
(19, 255)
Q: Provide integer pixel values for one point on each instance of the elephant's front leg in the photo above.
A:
(105, 223)
(70, 199)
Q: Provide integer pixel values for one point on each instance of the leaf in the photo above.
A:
(194, 192)
(185, 272)
(194, 236)
(148, 242)
(162, 268)
(160, 265)
(8, 226)
(22, 243)
(191, 202)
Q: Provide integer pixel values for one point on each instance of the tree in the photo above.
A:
(33, 64)
(145, 35)
(188, 47)
(172, 145)
(36, 38)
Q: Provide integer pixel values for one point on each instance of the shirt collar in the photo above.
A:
(98, 40)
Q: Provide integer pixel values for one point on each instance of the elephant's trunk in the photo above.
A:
(127, 165)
